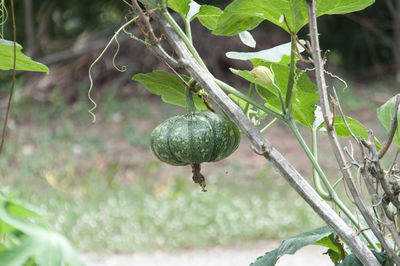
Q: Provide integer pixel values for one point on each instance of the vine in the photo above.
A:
(123, 68)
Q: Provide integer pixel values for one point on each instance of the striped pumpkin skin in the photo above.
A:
(195, 138)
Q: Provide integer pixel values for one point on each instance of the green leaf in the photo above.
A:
(247, 39)
(22, 61)
(305, 96)
(383, 258)
(352, 260)
(335, 257)
(168, 86)
(386, 115)
(49, 249)
(208, 16)
(243, 15)
(16, 208)
(46, 247)
(180, 6)
(329, 242)
(333, 248)
(358, 129)
(293, 244)
(279, 54)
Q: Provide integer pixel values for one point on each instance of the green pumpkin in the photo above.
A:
(195, 138)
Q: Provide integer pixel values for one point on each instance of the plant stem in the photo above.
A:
(246, 108)
(188, 31)
(190, 107)
(243, 96)
(332, 194)
(290, 85)
(280, 98)
(269, 125)
(292, 125)
(182, 35)
(316, 178)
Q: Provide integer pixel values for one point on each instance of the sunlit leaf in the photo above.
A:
(22, 61)
(247, 39)
(243, 15)
(208, 16)
(279, 54)
(180, 6)
(356, 127)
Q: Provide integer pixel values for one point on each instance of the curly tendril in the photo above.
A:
(326, 72)
(338, 78)
(122, 69)
(3, 17)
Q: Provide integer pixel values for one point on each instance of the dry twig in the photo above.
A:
(322, 89)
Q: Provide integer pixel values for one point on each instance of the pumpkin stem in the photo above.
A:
(190, 107)
(198, 177)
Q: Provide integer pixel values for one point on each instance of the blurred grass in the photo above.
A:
(100, 185)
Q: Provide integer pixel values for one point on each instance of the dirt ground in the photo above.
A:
(216, 256)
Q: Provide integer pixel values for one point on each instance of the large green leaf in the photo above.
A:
(386, 115)
(305, 96)
(293, 244)
(22, 61)
(243, 15)
(358, 129)
(180, 6)
(168, 86)
(279, 54)
(208, 16)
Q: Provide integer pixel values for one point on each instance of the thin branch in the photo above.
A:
(394, 161)
(392, 130)
(126, 2)
(3, 135)
(319, 66)
(377, 204)
(322, 89)
(391, 8)
(343, 116)
(146, 22)
(378, 172)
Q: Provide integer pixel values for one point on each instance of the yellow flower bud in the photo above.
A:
(263, 73)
